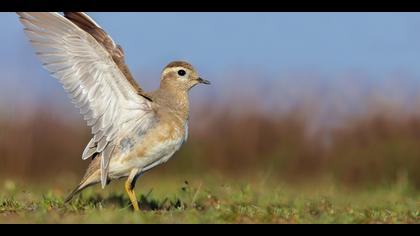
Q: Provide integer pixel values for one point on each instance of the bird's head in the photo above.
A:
(181, 76)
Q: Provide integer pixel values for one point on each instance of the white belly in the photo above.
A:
(161, 154)
(157, 154)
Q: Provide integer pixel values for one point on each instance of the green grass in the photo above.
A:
(209, 200)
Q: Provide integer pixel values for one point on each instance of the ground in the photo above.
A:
(209, 200)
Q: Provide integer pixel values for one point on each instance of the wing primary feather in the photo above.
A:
(106, 157)
(90, 149)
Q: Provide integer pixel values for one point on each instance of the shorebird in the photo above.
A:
(133, 130)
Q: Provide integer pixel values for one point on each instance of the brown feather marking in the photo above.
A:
(115, 50)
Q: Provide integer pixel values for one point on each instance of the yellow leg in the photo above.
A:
(131, 195)
(129, 188)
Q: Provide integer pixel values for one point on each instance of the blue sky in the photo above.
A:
(265, 45)
(330, 42)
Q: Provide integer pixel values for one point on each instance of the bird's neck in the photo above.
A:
(174, 100)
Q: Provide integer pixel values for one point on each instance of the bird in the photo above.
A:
(132, 130)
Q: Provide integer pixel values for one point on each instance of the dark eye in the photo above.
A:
(181, 72)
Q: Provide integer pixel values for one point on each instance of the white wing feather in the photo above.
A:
(107, 101)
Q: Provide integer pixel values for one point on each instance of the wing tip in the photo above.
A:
(104, 174)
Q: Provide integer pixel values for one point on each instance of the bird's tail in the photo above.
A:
(78, 189)
(91, 177)
(73, 193)
(86, 182)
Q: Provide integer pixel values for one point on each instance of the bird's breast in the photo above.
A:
(157, 144)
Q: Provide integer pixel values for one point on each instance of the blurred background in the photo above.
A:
(295, 97)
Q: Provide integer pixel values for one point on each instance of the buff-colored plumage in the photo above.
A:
(133, 131)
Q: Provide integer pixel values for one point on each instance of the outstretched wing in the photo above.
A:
(109, 102)
(87, 24)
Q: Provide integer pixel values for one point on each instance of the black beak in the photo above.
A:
(203, 81)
